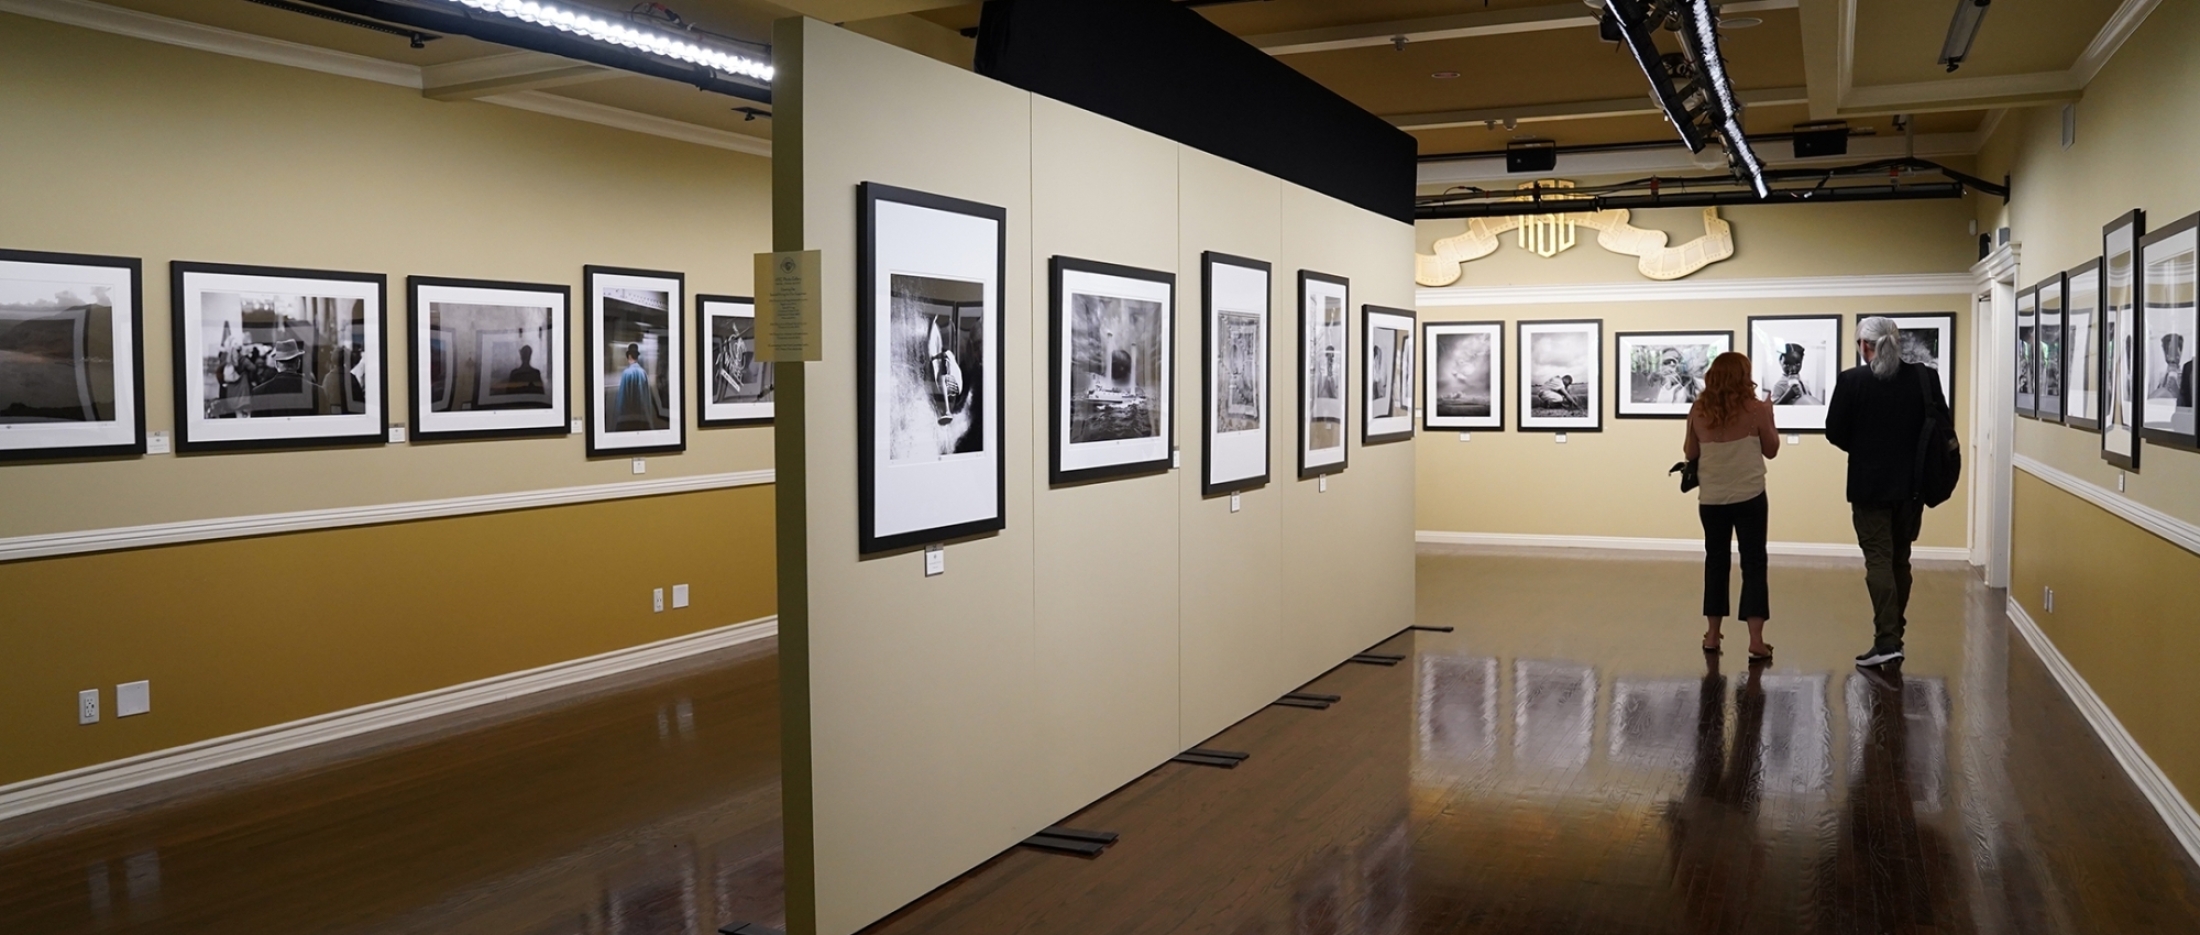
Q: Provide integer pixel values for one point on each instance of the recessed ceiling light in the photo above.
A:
(1444, 74)
(1739, 22)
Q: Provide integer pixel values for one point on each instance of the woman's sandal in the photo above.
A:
(1765, 656)
(1712, 646)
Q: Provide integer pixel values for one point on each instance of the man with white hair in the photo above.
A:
(1878, 416)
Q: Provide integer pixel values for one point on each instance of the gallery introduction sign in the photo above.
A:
(788, 330)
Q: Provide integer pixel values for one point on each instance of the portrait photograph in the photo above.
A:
(2166, 291)
(734, 385)
(1112, 370)
(272, 358)
(1463, 386)
(635, 324)
(1927, 340)
(1387, 406)
(930, 457)
(1794, 359)
(1235, 357)
(2123, 340)
(70, 356)
(2082, 346)
(2048, 349)
(1560, 378)
(1661, 372)
(489, 358)
(2027, 351)
(1325, 371)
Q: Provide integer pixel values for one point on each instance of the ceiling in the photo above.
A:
(1452, 73)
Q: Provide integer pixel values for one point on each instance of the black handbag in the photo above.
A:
(1687, 471)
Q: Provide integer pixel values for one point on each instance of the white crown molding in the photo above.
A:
(19, 548)
(2168, 802)
(1697, 290)
(33, 795)
(2110, 40)
(2185, 535)
(136, 25)
(1999, 266)
(1844, 550)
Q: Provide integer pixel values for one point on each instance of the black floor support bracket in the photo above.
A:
(1290, 702)
(1314, 696)
(1071, 841)
(1220, 754)
(1194, 759)
(1377, 659)
(1432, 629)
(747, 928)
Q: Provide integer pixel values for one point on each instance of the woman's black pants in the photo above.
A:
(1720, 524)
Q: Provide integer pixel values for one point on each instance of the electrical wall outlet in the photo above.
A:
(1235, 503)
(2047, 599)
(133, 698)
(679, 596)
(87, 706)
(935, 560)
(2119, 482)
(657, 600)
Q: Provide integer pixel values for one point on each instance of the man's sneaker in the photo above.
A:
(1879, 657)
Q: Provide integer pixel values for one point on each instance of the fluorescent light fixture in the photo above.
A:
(592, 24)
(1706, 23)
(1962, 31)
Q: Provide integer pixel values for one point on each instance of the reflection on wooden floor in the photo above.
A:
(1565, 761)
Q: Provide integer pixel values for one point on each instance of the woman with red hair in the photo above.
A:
(1730, 436)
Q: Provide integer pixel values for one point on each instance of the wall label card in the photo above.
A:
(789, 327)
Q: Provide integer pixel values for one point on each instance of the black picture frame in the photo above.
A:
(870, 541)
(132, 313)
(2025, 334)
(1410, 380)
(705, 366)
(2050, 349)
(1059, 334)
(1761, 358)
(193, 438)
(1622, 372)
(1942, 322)
(1209, 484)
(2083, 281)
(1308, 467)
(2120, 365)
(416, 319)
(1593, 402)
(1431, 332)
(674, 355)
(2154, 248)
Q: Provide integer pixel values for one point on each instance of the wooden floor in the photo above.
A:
(1566, 761)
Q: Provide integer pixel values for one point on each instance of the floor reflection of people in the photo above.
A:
(1711, 832)
(1887, 872)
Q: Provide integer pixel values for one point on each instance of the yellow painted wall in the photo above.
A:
(121, 146)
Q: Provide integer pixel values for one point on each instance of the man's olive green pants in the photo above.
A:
(1885, 530)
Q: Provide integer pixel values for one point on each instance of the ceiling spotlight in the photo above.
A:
(588, 24)
(1444, 74)
(1962, 31)
(1398, 42)
(1512, 123)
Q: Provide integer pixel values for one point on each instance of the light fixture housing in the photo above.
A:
(1962, 31)
(605, 27)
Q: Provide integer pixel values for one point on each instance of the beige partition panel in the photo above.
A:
(1111, 624)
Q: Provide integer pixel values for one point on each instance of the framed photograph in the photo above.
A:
(1663, 370)
(732, 387)
(2082, 345)
(71, 356)
(1234, 356)
(1325, 371)
(1559, 378)
(2048, 353)
(1112, 369)
(634, 324)
(1928, 340)
(2123, 336)
(1388, 403)
(930, 455)
(2027, 351)
(2173, 333)
(1463, 375)
(275, 358)
(489, 358)
(1796, 358)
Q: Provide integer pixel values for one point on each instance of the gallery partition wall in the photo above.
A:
(1016, 341)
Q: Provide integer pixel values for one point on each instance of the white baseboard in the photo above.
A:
(33, 795)
(2171, 804)
(1929, 553)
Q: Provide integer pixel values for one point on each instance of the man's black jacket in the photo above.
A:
(1877, 422)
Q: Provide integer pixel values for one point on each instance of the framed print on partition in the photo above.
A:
(2123, 333)
(2027, 351)
(2048, 349)
(277, 358)
(931, 461)
(1463, 375)
(1387, 407)
(1662, 371)
(1325, 371)
(2082, 346)
(2166, 285)
(1234, 409)
(489, 358)
(1112, 368)
(732, 386)
(1927, 340)
(1796, 359)
(635, 324)
(1560, 382)
(71, 356)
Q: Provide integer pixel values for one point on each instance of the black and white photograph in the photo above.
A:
(1235, 357)
(2048, 349)
(1661, 372)
(1112, 370)
(2123, 339)
(635, 324)
(1928, 340)
(1561, 384)
(1388, 403)
(1554, 714)
(1794, 359)
(733, 385)
(273, 358)
(2028, 354)
(2173, 334)
(489, 358)
(930, 458)
(1325, 372)
(70, 356)
(1654, 722)
(1457, 702)
(2082, 346)
(1463, 369)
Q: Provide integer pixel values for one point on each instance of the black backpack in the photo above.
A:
(1939, 456)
